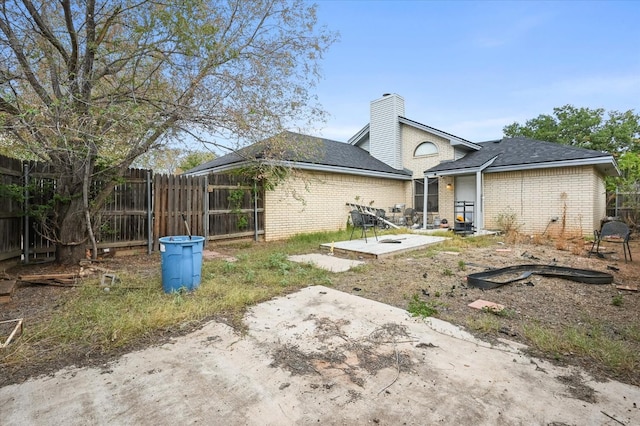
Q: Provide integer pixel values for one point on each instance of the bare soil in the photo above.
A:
(550, 302)
(438, 279)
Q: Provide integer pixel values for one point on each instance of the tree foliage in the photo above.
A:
(617, 133)
(613, 132)
(89, 86)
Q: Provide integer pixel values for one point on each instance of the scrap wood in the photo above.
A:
(628, 287)
(50, 279)
(17, 327)
(484, 304)
(6, 290)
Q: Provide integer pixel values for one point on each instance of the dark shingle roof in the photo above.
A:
(519, 151)
(304, 149)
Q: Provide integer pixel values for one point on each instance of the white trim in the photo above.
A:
(307, 166)
(520, 167)
(454, 140)
(554, 164)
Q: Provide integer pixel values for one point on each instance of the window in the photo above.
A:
(418, 195)
(425, 148)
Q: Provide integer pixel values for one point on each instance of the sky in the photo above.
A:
(470, 68)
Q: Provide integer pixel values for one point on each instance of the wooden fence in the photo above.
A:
(141, 209)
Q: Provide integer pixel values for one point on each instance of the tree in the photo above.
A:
(88, 86)
(584, 127)
(172, 160)
(618, 134)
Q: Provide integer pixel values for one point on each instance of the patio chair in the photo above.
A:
(363, 221)
(612, 232)
(410, 216)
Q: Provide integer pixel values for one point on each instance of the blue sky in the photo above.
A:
(470, 68)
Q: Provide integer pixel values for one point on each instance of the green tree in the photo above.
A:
(615, 133)
(89, 86)
(195, 158)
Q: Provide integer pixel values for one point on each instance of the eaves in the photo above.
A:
(600, 161)
(311, 167)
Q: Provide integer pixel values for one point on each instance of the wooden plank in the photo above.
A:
(17, 327)
(7, 287)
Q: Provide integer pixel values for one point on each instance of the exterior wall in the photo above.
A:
(599, 200)
(573, 195)
(411, 138)
(293, 208)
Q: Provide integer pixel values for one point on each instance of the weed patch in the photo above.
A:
(418, 307)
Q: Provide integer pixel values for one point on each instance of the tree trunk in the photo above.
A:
(72, 233)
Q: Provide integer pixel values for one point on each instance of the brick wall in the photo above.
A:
(314, 202)
(575, 195)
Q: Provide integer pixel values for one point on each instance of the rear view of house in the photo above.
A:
(394, 161)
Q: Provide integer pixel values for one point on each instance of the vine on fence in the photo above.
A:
(235, 198)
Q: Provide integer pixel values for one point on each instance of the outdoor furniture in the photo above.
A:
(410, 216)
(612, 232)
(363, 221)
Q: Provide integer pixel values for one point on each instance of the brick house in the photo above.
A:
(545, 186)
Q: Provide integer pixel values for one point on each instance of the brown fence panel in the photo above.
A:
(176, 200)
(11, 217)
(124, 219)
(41, 183)
(219, 206)
(232, 207)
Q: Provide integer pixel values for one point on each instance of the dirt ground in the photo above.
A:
(551, 302)
(439, 279)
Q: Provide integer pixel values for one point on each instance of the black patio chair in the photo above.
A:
(363, 221)
(612, 232)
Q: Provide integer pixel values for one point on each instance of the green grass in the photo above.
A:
(418, 307)
(487, 324)
(588, 340)
(93, 320)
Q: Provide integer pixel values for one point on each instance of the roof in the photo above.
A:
(523, 153)
(455, 140)
(305, 152)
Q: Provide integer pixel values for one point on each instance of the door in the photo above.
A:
(465, 189)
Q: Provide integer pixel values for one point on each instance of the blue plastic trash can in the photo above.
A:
(181, 260)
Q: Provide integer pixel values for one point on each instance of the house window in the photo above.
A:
(432, 197)
(425, 148)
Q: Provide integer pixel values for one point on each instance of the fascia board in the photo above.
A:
(343, 170)
(310, 167)
(353, 140)
(462, 171)
(555, 164)
(451, 138)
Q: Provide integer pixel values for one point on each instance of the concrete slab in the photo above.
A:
(325, 261)
(320, 356)
(386, 245)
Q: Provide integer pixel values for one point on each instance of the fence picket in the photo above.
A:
(123, 222)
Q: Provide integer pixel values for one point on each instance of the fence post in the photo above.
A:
(205, 215)
(25, 231)
(149, 214)
(255, 209)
